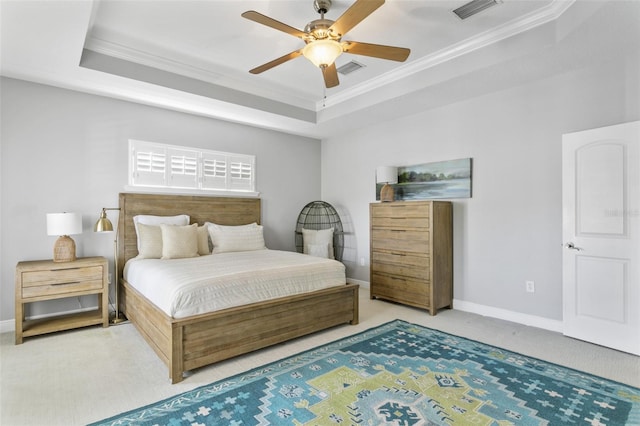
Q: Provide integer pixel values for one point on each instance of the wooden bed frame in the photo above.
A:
(188, 343)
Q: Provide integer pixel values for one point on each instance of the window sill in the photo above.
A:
(186, 191)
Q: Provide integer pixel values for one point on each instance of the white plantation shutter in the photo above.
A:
(148, 165)
(183, 168)
(214, 171)
(168, 166)
(240, 173)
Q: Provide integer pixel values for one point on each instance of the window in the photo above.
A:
(167, 166)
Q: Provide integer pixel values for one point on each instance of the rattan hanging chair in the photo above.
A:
(319, 215)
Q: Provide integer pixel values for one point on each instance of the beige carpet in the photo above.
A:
(80, 376)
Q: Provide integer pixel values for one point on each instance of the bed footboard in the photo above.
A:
(189, 343)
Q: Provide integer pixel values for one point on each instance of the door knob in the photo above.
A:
(572, 247)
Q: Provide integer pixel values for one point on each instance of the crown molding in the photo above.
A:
(126, 53)
(549, 13)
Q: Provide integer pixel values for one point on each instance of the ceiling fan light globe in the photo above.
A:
(322, 53)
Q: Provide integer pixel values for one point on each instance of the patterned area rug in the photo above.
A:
(400, 374)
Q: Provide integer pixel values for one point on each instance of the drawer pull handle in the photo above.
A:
(67, 283)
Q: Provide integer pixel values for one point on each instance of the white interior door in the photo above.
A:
(601, 221)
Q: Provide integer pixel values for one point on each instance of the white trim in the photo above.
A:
(185, 191)
(504, 314)
(534, 19)
(461, 305)
(8, 326)
(363, 284)
(490, 311)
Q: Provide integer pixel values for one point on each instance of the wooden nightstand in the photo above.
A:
(46, 280)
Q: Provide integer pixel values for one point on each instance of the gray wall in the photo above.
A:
(67, 151)
(510, 230)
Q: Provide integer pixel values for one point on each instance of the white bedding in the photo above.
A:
(186, 287)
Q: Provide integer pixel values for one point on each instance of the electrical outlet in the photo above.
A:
(531, 286)
(362, 261)
(109, 279)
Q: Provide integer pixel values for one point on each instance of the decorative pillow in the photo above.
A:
(149, 241)
(203, 240)
(181, 219)
(179, 242)
(317, 250)
(236, 238)
(315, 242)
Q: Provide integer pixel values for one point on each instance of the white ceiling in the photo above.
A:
(194, 56)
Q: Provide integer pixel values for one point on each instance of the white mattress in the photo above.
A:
(186, 287)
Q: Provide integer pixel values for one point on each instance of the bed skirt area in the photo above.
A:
(188, 343)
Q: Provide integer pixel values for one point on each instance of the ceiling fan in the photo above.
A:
(323, 39)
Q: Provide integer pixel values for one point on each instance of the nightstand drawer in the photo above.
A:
(61, 276)
(64, 289)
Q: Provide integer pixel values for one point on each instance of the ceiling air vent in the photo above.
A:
(350, 67)
(473, 7)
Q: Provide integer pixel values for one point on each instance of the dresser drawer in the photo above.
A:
(398, 240)
(400, 258)
(400, 289)
(419, 273)
(400, 223)
(400, 210)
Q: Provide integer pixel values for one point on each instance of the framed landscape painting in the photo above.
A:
(443, 179)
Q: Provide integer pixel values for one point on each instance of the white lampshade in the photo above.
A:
(322, 52)
(387, 174)
(64, 224)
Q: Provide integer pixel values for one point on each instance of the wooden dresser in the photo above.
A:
(46, 280)
(412, 253)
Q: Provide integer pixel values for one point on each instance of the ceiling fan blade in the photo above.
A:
(330, 74)
(275, 62)
(392, 53)
(252, 15)
(354, 15)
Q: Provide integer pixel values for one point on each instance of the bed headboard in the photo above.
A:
(220, 210)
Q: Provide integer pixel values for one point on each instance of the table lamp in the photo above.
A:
(63, 225)
(387, 175)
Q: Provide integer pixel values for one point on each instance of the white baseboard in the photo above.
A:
(364, 284)
(487, 311)
(7, 326)
(504, 314)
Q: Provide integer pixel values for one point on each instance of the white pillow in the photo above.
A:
(181, 219)
(236, 238)
(149, 241)
(315, 242)
(179, 242)
(317, 250)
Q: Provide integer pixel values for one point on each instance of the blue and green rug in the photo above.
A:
(400, 374)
